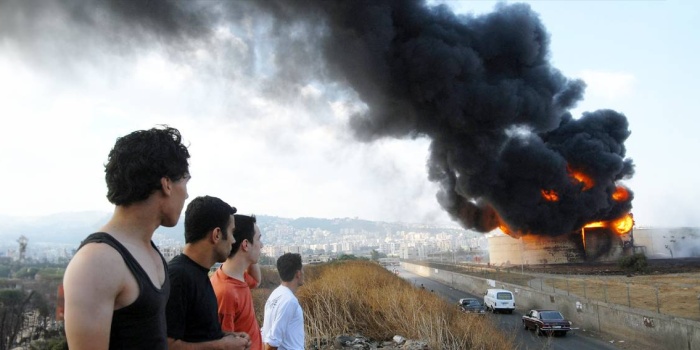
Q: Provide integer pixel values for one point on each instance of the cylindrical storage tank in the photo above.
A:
(534, 250)
(504, 250)
(600, 245)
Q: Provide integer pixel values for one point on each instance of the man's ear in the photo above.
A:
(166, 185)
(216, 235)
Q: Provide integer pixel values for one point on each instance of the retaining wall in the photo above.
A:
(618, 321)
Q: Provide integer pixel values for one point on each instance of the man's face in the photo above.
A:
(223, 247)
(176, 201)
(256, 246)
(301, 277)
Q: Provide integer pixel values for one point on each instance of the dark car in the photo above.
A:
(472, 305)
(546, 321)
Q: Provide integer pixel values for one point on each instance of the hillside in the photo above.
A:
(71, 228)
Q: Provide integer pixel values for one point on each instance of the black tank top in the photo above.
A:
(140, 325)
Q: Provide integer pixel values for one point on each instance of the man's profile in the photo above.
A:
(116, 286)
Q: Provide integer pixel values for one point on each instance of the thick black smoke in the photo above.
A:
(481, 88)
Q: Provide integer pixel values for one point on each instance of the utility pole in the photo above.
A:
(522, 256)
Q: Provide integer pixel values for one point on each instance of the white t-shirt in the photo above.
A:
(283, 325)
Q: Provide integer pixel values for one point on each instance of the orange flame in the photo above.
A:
(621, 194)
(581, 177)
(507, 230)
(621, 226)
(550, 195)
(596, 224)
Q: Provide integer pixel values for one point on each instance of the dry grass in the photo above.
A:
(672, 294)
(362, 297)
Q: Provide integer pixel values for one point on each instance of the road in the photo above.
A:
(512, 324)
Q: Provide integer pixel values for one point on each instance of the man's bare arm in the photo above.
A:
(239, 334)
(228, 342)
(90, 295)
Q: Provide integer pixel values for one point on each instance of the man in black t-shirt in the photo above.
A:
(192, 317)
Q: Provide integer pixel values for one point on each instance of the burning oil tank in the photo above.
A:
(595, 242)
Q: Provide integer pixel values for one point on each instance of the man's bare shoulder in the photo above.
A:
(94, 260)
(97, 253)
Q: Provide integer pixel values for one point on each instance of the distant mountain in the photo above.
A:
(71, 228)
(57, 228)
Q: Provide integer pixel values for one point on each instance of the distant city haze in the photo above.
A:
(55, 238)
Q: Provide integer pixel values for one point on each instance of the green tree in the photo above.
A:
(13, 304)
(345, 257)
(635, 262)
(375, 255)
(26, 272)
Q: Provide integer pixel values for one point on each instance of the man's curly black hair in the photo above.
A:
(140, 159)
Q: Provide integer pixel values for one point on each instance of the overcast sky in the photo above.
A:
(66, 95)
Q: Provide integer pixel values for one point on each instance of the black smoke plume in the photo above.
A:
(481, 88)
(483, 91)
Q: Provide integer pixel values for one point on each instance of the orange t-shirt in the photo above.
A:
(236, 312)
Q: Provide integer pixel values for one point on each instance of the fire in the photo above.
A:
(621, 194)
(622, 225)
(505, 229)
(596, 224)
(581, 177)
(550, 195)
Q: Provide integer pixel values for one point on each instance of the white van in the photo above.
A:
(499, 300)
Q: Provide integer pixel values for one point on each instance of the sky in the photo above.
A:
(66, 94)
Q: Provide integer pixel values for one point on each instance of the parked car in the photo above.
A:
(472, 305)
(546, 321)
(499, 300)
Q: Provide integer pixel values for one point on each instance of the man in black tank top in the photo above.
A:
(116, 287)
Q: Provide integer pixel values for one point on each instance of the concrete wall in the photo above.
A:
(620, 322)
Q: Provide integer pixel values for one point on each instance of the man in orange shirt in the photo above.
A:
(236, 277)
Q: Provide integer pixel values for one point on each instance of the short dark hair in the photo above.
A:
(287, 266)
(204, 214)
(140, 160)
(245, 229)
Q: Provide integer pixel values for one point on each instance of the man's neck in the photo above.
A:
(236, 266)
(200, 254)
(134, 223)
(292, 285)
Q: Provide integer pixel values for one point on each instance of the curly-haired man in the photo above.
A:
(116, 286)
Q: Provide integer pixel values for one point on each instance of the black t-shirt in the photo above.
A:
(192, 310)
(141, 324)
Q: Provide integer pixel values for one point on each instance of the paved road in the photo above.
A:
(511, 323)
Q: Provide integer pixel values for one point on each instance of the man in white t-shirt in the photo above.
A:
(283, 325)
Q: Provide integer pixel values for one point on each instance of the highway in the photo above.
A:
(511, 324)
